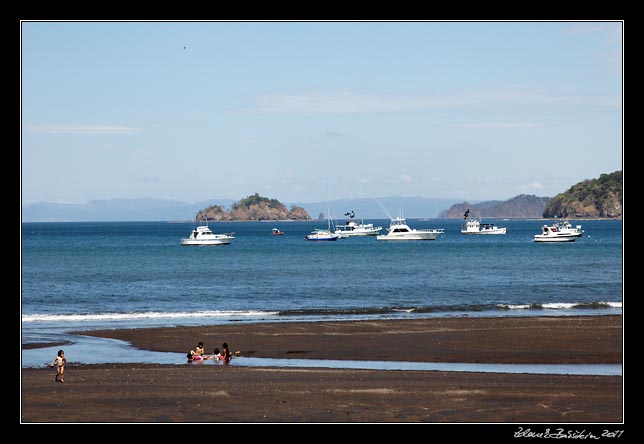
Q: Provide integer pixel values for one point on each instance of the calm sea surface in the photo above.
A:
(82, 276)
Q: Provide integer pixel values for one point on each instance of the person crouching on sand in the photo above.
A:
(225, 353)
(59, 361)
(193, 356)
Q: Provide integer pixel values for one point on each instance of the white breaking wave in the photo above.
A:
(514, 307)
(143, 315)
(560, 305)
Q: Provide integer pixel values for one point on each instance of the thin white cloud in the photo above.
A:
(334, 102)
(403, 178)
(82, 129)
(533, 186)
(500, 125)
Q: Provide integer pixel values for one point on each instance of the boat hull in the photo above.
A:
(201, 242)
(494, 231)
(347, 233)
(322, 235)
(540, 238)
(425, 235)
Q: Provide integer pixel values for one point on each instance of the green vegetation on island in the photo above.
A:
(594, 198)
(253, 208)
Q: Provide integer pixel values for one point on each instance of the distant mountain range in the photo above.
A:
(591, 198)
(380, 208)
(139, 209)
(149, 209)
(601, 197)
(523, 206)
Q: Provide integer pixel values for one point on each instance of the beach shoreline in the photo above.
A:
(512, 340)
(155, 393)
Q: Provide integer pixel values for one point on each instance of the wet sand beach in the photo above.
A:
(151, 393)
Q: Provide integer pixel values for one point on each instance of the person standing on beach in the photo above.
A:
(59, 361)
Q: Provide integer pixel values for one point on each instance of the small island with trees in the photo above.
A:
(253, 208)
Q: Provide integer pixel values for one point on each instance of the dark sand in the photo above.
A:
(126, 393)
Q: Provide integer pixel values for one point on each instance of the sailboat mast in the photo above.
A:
(328, 211)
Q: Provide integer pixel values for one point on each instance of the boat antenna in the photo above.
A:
(384, 209)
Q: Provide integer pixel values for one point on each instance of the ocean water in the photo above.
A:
(84, 276)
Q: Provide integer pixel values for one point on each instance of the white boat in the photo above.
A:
(551, 233)
(566, 227)
(474, 226)
(399, 231)
(353, 228)
(323, 235)
(203, 235)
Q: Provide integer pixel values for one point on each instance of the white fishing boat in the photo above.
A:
(353, 228)
(399, 231)
(551, 233)
(567, 227)
(474, 226)
(203, 235)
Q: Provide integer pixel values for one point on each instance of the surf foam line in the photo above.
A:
(80, 317)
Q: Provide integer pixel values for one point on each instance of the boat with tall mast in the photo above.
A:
(324, 234)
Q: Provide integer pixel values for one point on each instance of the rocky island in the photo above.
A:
(253, 208)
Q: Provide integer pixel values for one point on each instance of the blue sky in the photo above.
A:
(200, 110)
